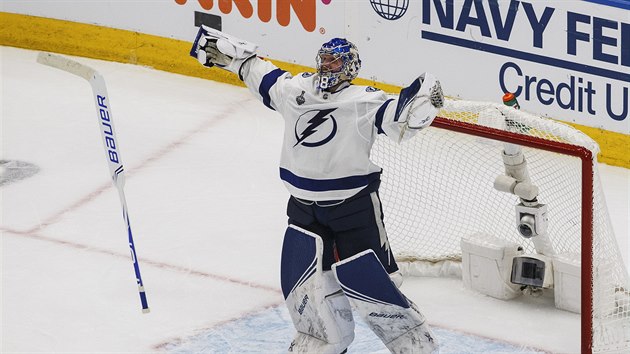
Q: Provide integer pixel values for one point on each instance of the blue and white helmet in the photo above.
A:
(343, 50)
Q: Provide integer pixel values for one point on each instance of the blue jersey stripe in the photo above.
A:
(379, 116)
(267, 82)
(324, 185)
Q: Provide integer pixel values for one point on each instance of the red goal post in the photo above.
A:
(439, 186)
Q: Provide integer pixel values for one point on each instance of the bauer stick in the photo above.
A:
(112, 150)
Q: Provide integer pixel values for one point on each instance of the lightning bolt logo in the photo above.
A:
(313, 123)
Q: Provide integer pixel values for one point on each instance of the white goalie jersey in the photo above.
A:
(328, 136)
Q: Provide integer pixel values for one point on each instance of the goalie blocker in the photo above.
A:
(319, 304)
(212, 47)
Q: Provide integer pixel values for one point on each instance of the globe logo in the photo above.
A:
(390, 9)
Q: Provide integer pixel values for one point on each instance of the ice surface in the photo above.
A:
(207, 211)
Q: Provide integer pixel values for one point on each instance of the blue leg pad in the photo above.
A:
(301, 257)
(362, 277)
(391, 316)
(320, 312)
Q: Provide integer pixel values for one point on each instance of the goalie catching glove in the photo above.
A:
(212, 47)
(420, 102)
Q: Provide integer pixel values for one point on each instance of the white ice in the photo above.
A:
(207, 211)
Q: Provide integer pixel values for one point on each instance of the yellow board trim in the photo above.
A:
(167, 54)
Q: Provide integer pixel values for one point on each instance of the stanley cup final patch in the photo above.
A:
(300, 99)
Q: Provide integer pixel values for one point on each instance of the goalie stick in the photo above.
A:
(112, 152)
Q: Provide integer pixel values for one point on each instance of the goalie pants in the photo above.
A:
(347, 227)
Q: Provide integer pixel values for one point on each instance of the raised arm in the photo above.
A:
(215, 48)
(414, 109)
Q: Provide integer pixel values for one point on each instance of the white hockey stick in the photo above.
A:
(112, 150)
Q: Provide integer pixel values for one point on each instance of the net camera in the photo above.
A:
(533, 271)
(532, 220)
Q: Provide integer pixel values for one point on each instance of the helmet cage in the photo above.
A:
(340, 49)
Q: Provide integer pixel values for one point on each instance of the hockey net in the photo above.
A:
(438, 187)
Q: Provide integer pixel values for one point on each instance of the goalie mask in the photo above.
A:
(337, 61)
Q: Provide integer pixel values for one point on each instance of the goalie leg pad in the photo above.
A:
(391, 316)
(320, 311)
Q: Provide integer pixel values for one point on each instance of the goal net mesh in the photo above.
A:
(438, 188)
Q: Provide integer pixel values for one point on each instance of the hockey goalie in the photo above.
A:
(336, 256)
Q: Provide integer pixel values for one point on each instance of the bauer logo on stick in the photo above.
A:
(108, 133)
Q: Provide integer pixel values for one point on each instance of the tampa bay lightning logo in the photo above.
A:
(315, 128)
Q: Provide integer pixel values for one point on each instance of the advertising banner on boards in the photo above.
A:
(566, 59)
